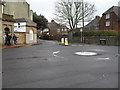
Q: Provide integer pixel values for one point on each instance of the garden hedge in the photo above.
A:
(96, 33)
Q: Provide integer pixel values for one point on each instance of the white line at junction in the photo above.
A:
(55, 54)
(106, 58)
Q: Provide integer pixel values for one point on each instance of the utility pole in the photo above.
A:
(83, 21)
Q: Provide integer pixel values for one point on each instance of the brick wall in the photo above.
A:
(110, 40)
(21, 37)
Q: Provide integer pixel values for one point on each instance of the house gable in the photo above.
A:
(93, 25)
(110, 23)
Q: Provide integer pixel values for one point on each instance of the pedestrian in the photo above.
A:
(15, 39)
(6, 39)
(9, 39)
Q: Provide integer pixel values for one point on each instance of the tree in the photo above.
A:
(70, 12)
(40, 20)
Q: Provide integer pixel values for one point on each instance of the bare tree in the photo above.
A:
(71, 12)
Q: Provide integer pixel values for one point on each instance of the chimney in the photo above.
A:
(52, 21)
(97, 17)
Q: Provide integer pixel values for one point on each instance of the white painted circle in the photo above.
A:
(86, 53)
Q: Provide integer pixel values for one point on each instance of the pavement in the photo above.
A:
(10, 46)
(50, 65)
(18, 45)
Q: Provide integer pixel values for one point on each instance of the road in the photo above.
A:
(50, 65)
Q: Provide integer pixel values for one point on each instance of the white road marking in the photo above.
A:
(98, 50)
(107, 58)
(54, 54)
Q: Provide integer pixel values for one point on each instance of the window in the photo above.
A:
(108, 23)
(30, 35)
(58, 30)
(65, 30)
(107, 16)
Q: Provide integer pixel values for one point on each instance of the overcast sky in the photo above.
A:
(46, 7)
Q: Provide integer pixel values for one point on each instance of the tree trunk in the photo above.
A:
(71, 36)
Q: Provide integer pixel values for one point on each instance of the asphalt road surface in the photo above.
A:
(50, 65)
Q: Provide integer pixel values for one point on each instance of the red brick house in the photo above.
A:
(110, 20)
(56, 30)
